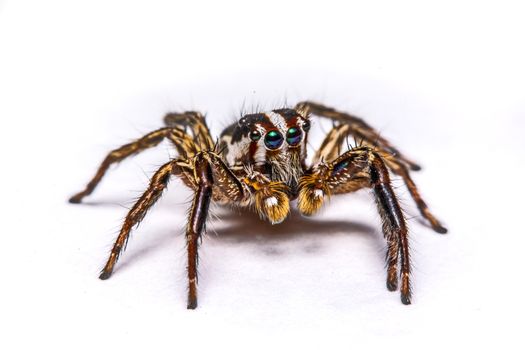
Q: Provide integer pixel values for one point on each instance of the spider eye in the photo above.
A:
(273, 139)
(255, 135)
(306, 125)
(293, 136)
(340, 167)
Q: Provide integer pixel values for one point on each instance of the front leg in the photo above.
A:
(197, 173)
(394, 227)
(210, 178)
(349, 125)
(198, 214)
(354, 170)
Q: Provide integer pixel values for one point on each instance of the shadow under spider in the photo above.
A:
(240, 226)
(246, 226)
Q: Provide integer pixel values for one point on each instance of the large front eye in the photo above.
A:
(273, 139)
(293, 136)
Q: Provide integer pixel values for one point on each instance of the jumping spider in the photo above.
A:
(260, 162)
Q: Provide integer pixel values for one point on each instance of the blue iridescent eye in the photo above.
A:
(293, 136)
(273, 139)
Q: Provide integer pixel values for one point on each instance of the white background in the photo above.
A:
(443, 81)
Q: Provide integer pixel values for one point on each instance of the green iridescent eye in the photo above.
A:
(273, 139)
(255, 135)
(293, 136)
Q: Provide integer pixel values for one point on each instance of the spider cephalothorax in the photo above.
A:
(273, 143)
(260, 163)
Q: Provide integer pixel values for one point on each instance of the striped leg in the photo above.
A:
(401, 170)
(158, 183)
(196, 122)
(196, 223)
(354, 170)
(150, 140)
(198, 173)
(185, 144)
(331, 148)
(207, 166)
(394, 228)
(352, 125)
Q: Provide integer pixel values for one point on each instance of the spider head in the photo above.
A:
(275, 140)
(276, 136)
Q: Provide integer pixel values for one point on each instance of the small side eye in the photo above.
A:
(255, 135)
(340, 166)
(306, 125)
(273, 139)
(293, 136)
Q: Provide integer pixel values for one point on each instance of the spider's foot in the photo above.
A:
(192, 304)
(77, 198)
(104, 275)
(391, 278)
(192, 293)
(406, 295)
(415, 167)
(434, 223)
(391, 285)
(439, 228)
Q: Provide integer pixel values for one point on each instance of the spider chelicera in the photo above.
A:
(259, 162)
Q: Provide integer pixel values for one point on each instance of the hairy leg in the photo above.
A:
(401, 170)
(330, 149)
(355, 126)
(150, 140)
(158, 183)
(197, 220)
(196, 122)
(354, 170)
(394, 227)
(197, 173)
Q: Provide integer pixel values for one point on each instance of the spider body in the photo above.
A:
(269, 146)
(260, 162)
(271, 143)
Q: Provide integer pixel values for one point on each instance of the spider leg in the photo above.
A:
(184, 143)
(197, 173)
(394, 228)
(197, 220)
(354, 170)
(211, 178)
(330, 149)
(401, 170)
(196, 122)
(150, 140)
(355, 126)
(158, 183)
